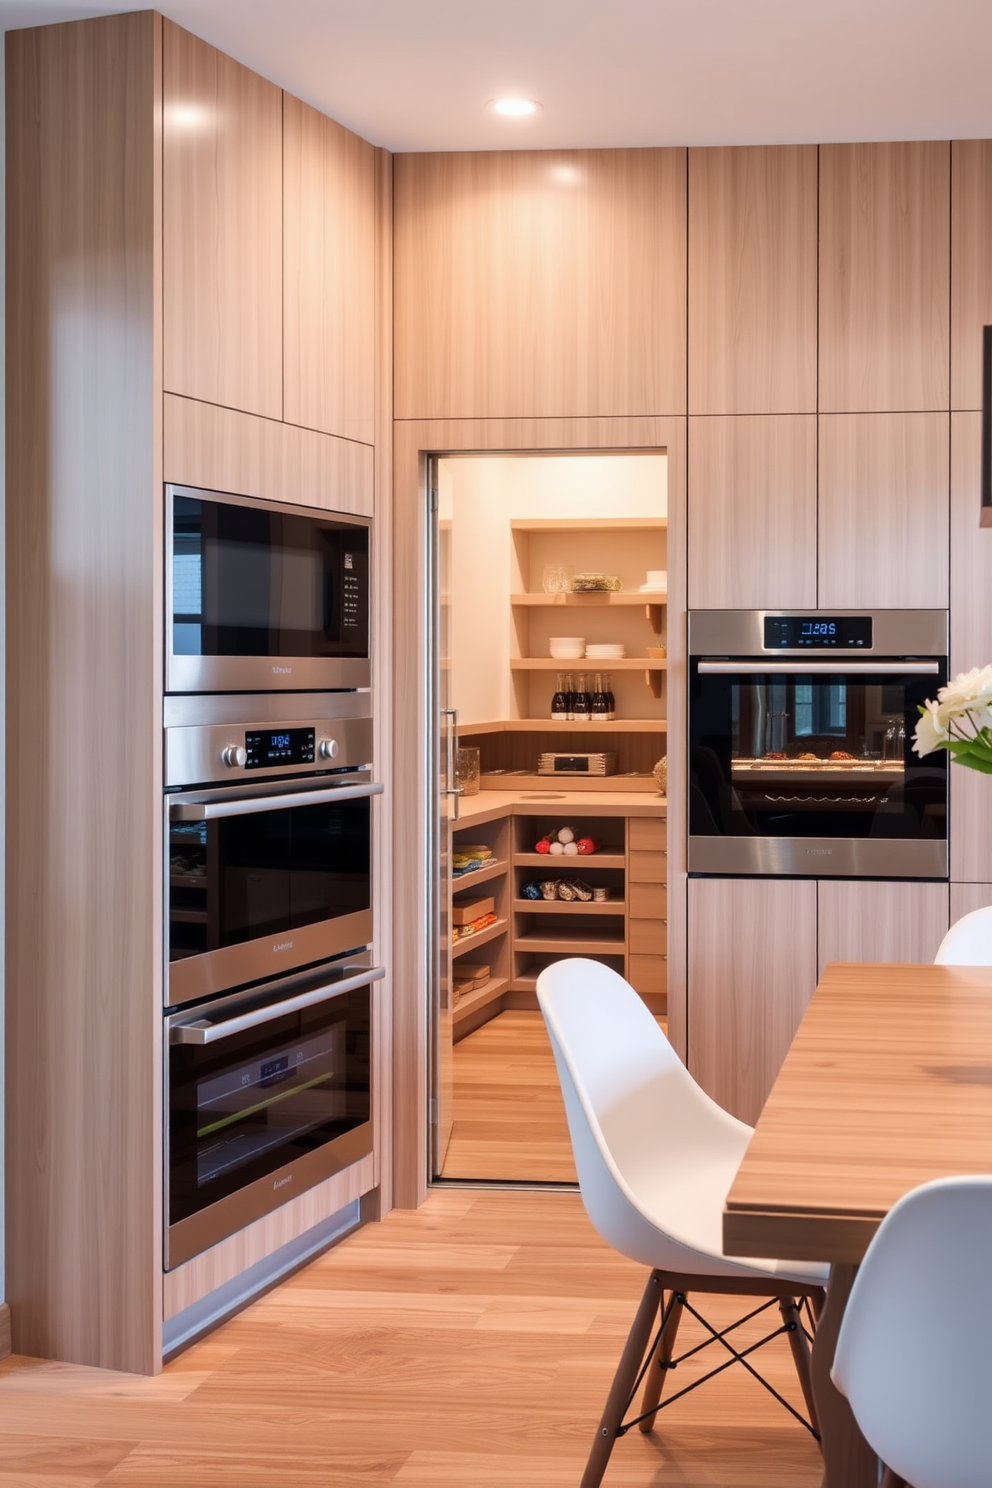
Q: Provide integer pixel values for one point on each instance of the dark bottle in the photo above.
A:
(559, 703)
(599, 707)
(581, 706)
(611, 702)
(569, 696)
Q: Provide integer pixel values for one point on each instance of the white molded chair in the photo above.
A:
(968, 942)
(914, 1363)
(655, 1159)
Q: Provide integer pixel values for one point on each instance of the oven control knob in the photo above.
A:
(328, 748)
(234, 756)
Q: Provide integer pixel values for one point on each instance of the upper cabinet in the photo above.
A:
(884, 277)
(752, 280)
(222, 223)
(540, 284)
(329, 275)
(971, 267)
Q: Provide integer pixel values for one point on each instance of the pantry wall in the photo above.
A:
(514, 536)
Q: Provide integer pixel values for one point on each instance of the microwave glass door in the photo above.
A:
(265, 596)
(259, 1101)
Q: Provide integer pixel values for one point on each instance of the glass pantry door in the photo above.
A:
(445, 809)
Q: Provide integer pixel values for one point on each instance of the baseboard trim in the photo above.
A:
(4, 1329)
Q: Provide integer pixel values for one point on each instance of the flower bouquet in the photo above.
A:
(960, 721)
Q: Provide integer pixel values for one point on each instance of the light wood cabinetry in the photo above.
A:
(971, 266)
(884, 277)
(883, 511)
(971, 642)
(867, 921)
(752, 970)
(752, 279)
(540, 284)
(966, 897)
(329, 278)
(222, 219)
(752, 512)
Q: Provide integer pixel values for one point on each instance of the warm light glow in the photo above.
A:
(514, 108)
(188, 116)
(566, 175)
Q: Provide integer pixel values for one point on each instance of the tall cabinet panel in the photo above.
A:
(752, 279)
(329, 275)
(222, 216)
(752, 512)
(883, 510)
(884, 277)
(971, 642)
(971, 266)
(538, 284)
(867, 921)
(752, 970)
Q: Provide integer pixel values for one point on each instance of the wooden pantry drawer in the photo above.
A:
(647, 867)
(647, 833)
(648, 973)
(647, 901)
(647, 937)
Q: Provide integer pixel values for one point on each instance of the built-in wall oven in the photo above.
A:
(800, 743)
(263, 596)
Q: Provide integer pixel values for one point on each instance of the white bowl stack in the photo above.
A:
(567, 648)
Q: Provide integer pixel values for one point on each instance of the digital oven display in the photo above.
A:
(269, 747)
(794, 632)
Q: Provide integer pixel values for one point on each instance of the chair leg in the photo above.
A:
(791, 1311)
(654, 1380)
(623, 1382)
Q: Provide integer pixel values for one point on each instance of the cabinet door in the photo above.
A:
(222, 224)
(883, 510)
(752, 279)
(971, 266)
(884, 277)
(752, 512)
(966, 897)
(971, 642)
(752, 970)
(865, 921)
(540, 284)
(329, 275)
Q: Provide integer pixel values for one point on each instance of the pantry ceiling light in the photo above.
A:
(515, 108)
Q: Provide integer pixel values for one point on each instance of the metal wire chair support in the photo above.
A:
(737, 1357)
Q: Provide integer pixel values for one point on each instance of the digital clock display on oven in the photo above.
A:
(795, 632)
(268, 747)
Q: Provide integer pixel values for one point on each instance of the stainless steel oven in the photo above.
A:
(268, 1092)
(800, 735)
(264, 596)
(268, 834)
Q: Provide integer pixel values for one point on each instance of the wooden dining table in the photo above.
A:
(887, 1084)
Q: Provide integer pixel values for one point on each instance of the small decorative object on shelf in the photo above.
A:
(597, 583)
(468, 770)
(660, 773)
(960, 721)
(565, 890)
(563, 843)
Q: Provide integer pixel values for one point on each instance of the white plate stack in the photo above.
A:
(606, 651)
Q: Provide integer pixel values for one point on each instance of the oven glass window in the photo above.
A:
(245, 877)
(812, 755)
(248, 582)
(246, 1105)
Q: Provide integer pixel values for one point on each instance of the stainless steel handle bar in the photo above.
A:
(214, 810)
(205, 1032)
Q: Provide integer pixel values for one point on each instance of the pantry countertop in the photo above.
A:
(489, 804)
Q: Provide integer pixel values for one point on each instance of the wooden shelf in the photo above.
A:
(574, 906)
(588, 664)
(588, 524)
(481, 937)
(546, 788)
(588, 860)
(561, 944)
(590, 600)
(477, 876)
(480, 998)
(552, 725)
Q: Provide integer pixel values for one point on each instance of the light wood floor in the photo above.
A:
(469, 1344)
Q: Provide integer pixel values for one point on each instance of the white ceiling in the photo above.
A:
(417, 74)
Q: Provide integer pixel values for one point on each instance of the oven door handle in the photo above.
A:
(205, 1032)
(199, 811)
(828, 669)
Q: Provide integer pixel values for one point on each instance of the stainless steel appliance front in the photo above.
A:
(264, 595)
(268, 1092)
(800, 734)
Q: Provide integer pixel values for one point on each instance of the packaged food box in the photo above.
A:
(467, 910)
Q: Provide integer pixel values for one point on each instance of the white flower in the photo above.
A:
(966, 693)
(931, 731)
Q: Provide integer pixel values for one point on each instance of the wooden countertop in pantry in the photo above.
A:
(488, 805)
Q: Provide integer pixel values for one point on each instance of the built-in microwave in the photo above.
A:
(263, 596)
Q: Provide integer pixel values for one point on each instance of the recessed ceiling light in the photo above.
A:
(515, 108)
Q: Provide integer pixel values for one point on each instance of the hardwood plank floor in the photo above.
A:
(468, 1344)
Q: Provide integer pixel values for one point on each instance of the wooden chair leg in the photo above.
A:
(791, 1311)
(654, 1380)
(623, 1382)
